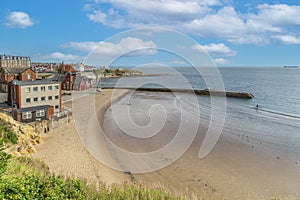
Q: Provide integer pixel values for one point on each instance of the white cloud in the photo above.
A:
(129, 45)
(215, 49)
(278, 14)
(216, 19)
(287, 39)
(224, 23)
(221, 61)
(57, 57)
(98, 16)
(81, 46)
(18, 20)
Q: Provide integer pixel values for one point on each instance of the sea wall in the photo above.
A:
(243, 95)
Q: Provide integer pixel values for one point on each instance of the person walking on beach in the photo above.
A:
(256, 107)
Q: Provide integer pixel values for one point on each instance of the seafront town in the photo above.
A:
(34, 96)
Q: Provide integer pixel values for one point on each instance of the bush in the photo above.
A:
(4, 157)
(7, 135)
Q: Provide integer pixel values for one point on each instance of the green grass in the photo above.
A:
(6, 134)
(27, 178)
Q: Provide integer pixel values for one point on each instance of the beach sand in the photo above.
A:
(233, 170)
(65, 154)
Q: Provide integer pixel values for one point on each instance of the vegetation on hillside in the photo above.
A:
(27, 178)
(7, 136)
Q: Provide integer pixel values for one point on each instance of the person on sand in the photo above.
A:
(256, 107)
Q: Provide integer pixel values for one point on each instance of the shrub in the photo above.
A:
(4, 157)
(7, 135)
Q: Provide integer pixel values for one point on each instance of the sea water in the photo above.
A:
(275, 125)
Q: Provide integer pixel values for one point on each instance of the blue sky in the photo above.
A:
(234, 33)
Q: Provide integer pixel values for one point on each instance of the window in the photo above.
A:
(50, 87)
(43, 98)
(26, 115)
(56, 87)
(40, 113)
(27, 100)
(49, 98)
(56, 97)
(28, 76)
(35, 99)
(27, 89)
(42, 88)
(56, 107)
(35, 89)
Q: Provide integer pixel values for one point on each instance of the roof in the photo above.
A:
(78, 79)
(4, 56)
(61, 78)
(12, 70)
(34, 108)
(37, 82)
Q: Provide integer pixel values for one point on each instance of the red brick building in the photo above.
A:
(9, 74)
(74, 82)
(65, 68)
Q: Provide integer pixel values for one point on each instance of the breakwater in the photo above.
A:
(242, 95)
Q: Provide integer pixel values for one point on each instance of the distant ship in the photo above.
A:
(290, 66)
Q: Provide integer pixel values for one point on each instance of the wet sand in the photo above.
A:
(235, 169)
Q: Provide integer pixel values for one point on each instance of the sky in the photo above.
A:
(231, 32)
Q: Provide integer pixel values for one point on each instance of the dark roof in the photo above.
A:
(78, 80)
(61, 78)
(12, 70)
(4, 56)
(37, 82)
(34, 108)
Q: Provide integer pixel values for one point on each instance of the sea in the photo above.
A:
(274, 125)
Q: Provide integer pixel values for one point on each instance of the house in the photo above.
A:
(34, 100)
(14, 61)
(82, 83)
(32, 114)
(66, 81)
(43, 67)
(8, 74)
(65, 68)
(71, 81)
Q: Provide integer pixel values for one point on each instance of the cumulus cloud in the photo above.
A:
(287, 39)
(81, 46)
(18, 20)
(221, 61)
(129, 45)
(58, 57)
(215, 49)
(209, 19)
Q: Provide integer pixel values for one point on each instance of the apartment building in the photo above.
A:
(34, 100)
(14, 61)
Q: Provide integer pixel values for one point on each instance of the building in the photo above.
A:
(41, 67)
(32, 114)
(65, 68)
(34, 100)
(82, 83)
(14, 61)
(74, 82)
(20, 74)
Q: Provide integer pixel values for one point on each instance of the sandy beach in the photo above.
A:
(65, 154)
(233, 170)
